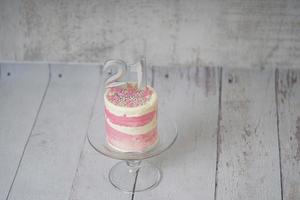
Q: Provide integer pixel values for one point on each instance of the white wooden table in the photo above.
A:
(239, 134)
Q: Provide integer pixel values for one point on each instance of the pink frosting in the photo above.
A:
(130, 121)
(130, 142)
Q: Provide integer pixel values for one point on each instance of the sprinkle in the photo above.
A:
(129, 95)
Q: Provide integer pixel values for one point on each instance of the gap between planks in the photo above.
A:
(218, 131)
(134, 185)
(31, 130)
(278, 134)
(137, 172)
(88, 127)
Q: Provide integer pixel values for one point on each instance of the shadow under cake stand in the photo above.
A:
(131, 174)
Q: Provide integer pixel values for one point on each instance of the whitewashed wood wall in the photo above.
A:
(239, 133)
(228, 33)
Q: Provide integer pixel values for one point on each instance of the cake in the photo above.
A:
(131, 117)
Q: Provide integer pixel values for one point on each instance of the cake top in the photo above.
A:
(129, 95)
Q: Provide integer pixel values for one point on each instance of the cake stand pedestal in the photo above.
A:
(133, 174)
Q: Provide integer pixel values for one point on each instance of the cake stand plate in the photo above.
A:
(131, 174)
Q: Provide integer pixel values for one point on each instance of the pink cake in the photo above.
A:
(131, 118)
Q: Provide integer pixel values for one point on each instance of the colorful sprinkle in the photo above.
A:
(129, 95)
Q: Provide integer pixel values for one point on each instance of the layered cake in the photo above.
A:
(131, 117)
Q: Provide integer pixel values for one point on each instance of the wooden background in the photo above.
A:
(239, 133)
(227, 33)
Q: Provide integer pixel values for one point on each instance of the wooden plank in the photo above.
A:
(52, 155)
(248, 165)
(190, 96)
(21, 92)
(91, 179)
(288, 99)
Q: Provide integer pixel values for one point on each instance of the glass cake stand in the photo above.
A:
(131, 174)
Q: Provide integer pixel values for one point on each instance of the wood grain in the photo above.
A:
(288, 98)
(190, 96)
(239, 33)
(21, 92)
(52, 155)
(248, 152)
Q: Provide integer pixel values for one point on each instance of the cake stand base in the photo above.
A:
(134, 176)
